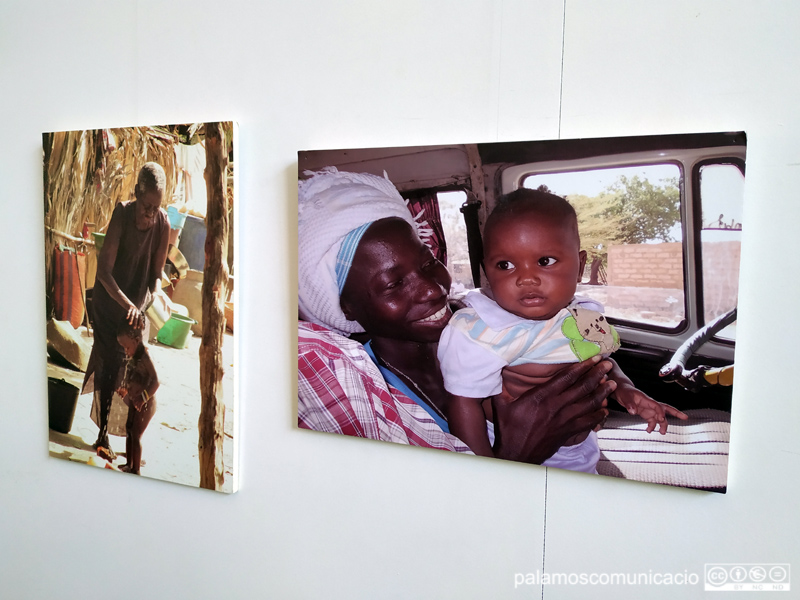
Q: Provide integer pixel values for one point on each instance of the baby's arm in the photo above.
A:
(637, 402)
(467, 422)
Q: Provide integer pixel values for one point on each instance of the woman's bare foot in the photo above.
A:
(102, 442)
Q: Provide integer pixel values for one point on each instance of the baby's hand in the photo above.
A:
(122, 392)
(655, 413)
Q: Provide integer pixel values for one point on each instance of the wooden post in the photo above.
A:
(215, 285)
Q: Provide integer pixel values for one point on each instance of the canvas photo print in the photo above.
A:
(566, 303)
(140, 297)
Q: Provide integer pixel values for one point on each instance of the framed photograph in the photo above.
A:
(140, 271)
(446, 292)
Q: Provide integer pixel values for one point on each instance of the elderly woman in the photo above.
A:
(363, 268)
(128, 269)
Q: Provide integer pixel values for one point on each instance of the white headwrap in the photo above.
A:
(331, 205)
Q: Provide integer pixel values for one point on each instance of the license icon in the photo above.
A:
(747, 577)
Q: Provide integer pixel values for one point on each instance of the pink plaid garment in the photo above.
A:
(340, 390)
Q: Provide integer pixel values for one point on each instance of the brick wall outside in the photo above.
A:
(645, 281)
(646, 265)
(720, 276)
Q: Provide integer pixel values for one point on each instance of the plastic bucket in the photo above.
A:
(193, 242)
(62, 398)
(99, 238)
(178, 261)
(175, 331)
(176, 219)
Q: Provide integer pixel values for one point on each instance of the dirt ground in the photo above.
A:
(169, 446)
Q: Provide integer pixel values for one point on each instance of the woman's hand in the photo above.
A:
(531, 428)
(135, 317)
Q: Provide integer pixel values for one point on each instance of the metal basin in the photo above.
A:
(178, 261)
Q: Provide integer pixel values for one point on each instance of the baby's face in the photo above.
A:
(532, 264)
(128, 344)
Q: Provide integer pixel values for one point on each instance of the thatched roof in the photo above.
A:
(86, 173)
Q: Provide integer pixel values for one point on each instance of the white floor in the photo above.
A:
(169, 446)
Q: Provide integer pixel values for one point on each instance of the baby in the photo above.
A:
(139, 386)
(528, 317)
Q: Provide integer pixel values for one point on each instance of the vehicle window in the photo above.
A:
(630, 226)
(455, 232)
(721, 194)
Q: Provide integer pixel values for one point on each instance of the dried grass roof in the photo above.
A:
(88, 172)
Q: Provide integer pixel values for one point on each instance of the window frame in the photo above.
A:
(687, 159)
(739, 163)
(448, 189)
(683, 323)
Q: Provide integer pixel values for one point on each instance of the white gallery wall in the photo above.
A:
(321, 516)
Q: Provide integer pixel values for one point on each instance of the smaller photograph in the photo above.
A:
(140, 298)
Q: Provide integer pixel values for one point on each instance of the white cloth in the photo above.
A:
(482, 339)
(581, 457)
(330, 205)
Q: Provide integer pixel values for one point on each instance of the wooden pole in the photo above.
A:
(215, 285)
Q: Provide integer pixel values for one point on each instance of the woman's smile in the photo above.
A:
(396, 288)
(441, 314)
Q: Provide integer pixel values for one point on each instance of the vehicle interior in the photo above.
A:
(660, 218)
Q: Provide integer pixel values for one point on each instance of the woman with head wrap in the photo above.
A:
(364, 268)
(128, 269)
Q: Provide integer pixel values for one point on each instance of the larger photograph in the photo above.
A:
(566, 303)
(139, 250)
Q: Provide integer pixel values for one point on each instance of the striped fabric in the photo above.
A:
(340, 390)
(346, 252)
(693, 453)
(524, 342)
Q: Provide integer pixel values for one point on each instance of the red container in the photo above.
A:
(68, 282)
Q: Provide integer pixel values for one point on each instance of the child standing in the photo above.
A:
(528, 317)
(139, 386)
